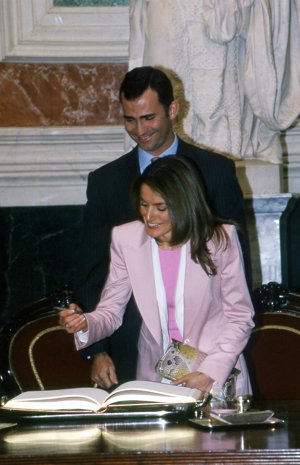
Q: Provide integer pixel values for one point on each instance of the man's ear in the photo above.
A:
(173, 109)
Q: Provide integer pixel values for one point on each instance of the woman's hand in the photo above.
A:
(196, 380)
(72, 319)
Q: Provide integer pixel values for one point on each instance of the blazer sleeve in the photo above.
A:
(238, 312)
(109, 313)
(107, 206)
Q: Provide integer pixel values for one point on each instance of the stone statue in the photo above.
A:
(238, 61)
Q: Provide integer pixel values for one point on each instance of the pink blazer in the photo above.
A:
(217, 309)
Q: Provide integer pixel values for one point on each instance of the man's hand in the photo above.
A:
(103, 371)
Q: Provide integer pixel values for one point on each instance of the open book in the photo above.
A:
(96, 400)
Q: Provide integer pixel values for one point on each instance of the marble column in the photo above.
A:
(263, 217)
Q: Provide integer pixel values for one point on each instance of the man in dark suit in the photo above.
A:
(149, 109)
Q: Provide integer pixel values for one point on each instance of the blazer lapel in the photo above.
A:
(195, 278)
(143, 284)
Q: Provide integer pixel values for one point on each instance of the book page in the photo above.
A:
(94, 399)
(148, 391)
(85, 398)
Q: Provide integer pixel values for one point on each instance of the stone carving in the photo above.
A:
(239, 62)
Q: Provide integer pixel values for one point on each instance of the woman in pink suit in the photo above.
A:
(185, 269)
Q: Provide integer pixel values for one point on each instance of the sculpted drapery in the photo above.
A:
(238, 61)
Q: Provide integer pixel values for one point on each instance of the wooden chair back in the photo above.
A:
(36, 353)
(273, 356)
(43, 356)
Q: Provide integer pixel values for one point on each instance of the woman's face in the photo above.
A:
(155, 214)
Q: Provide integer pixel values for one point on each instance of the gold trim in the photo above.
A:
(30, 352)
(30, 356)
(285, 328)
(287, 312)
(9, 357)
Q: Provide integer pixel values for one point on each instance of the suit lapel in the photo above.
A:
(132, 163)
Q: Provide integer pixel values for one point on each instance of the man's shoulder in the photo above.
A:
(203, 155)
(126, 162)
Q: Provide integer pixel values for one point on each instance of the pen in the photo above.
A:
(59, 309)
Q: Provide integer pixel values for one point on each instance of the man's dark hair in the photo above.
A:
(138, 80)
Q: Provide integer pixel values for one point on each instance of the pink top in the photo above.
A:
(169, 263)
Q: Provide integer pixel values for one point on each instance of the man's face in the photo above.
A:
(147, 123)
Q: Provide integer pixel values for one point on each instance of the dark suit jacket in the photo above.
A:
(108, 205)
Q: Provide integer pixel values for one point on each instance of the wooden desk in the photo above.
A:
(160, 444)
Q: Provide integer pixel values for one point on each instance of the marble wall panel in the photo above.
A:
(60, 94)
(263, 224)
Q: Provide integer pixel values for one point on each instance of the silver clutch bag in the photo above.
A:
(178, 360)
